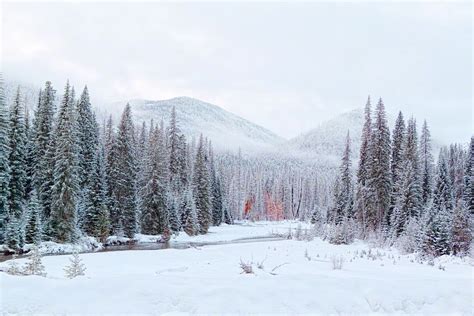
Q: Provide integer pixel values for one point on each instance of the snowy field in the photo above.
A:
(289, 277)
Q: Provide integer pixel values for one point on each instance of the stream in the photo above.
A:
(160, 246)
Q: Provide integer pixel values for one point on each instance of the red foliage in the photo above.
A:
(273, 209)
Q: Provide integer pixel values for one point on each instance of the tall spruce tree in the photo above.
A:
(469, 180)
(33, 230)
(379, 181)
(66, 188)
(87, 143)
(45, 146)
(201, 188)
(18, 176)
(96, 216)
(397, 161)
(361, 197)
(426, 165)
(154, 215)
(438, 230)
(124, 175)
(344, 195)
(4, 163)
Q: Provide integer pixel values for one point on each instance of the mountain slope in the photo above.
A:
(226, 130)
(328, 139)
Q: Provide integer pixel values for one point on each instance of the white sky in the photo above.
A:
(286, 66)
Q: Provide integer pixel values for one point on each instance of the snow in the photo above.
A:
(208, 279)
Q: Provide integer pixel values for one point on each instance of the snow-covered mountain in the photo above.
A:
(226, 130)
(328, 139)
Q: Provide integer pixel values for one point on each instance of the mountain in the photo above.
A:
(328, 139)
(227, 131)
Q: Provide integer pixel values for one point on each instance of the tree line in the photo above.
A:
(63, 176)
(399, 194)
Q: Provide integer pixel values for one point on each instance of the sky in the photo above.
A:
(287, 66)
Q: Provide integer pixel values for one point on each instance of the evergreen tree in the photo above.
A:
(379, 181)
(4, 164)
(216, 193)
(426, 165)
(201, 188)
(174, 219)
(76, 267)
(96, 217)
(174, 152)
(398, 159)
(461, 234)
(30, 153)
(18, 176)
(34, 266)
(189, 213)
(65, 188)
(344, 193)
(469, 180)
(154, 214)
(124, 176)
(437, 236)
(361, 197)
(33, 228)
(45, 147)
(87, 143)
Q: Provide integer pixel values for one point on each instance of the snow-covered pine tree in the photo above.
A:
(30, 159)
(426, 165)
(414, 199)
(76, 267)
(124, 188)
(456, 165)
(461, 230)
(4, 163)
(216, 192)
(469, 180)
(438, 231)
(18, 176)
(33, 230)
(96, 216)
(111, 171)
(65, 188)
(87, 144)
(189, 213)
(344, 194)
(34, 265)
(175, 153)
(201, 188)
(154, 215)
(361, 197)
(397, 161)
(45, 147)
(379, 181)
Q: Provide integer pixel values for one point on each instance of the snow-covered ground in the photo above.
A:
(290, 277)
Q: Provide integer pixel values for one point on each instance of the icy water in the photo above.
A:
(160, 245)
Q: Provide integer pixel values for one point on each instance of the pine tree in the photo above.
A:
(361, 197)
(379, 180)
(201, 188)
(216, 192)
(87, 143)
(437, 235)
(45, 149)
(189, 213)
(33, 230)
(124, 175)
(461, 234)
(34, 265)
(469, 180)
(18, 176)
(96, 217)
(31, 156)
(344, 192)
(174, 152)
(154, 214)
(426, 164)
(4, 164)
(76, 267)
(398, 159)
(174, 220)
(65, 188)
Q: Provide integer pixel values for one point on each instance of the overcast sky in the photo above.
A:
(286, 66)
